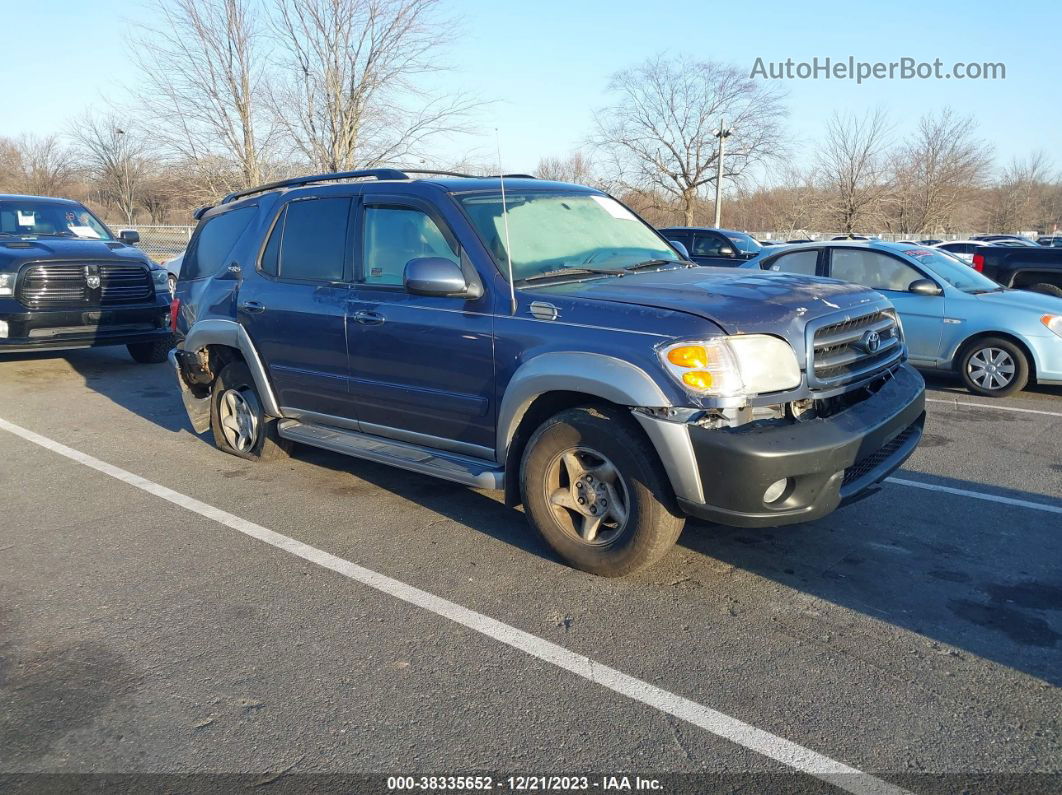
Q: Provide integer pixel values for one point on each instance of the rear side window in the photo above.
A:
(311, 240)
(215, 242)
(802, 262)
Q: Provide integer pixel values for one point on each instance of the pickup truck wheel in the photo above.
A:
(994, 367)
(171, 283)
(594, 488)
(150, 352)
(1048, 289)
(240, 426)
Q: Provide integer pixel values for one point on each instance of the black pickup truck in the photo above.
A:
(1022, 267)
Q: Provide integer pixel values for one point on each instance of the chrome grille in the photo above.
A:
(67, 283)
(845, 351)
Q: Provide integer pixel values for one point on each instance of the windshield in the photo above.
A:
(550, 232)
(952, 270)
(43, 218)
(744, 243)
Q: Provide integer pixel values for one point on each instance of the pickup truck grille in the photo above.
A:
(68, 283)
(855, 348)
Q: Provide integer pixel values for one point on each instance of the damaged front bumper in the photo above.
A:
(724, 475)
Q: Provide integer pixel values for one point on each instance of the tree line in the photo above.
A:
(234, 93)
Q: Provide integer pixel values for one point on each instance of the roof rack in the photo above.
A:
(375, 173)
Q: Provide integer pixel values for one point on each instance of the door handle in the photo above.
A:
(369, 318)
(252, 306)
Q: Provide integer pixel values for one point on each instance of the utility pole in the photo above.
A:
(722, 134)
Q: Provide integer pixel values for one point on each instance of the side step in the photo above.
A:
(449, 466)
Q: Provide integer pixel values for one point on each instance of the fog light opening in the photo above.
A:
(776, 491)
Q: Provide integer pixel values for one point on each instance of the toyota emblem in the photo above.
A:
(870, 342)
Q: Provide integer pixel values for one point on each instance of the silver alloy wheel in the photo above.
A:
(991, 368)
(171, 283)
(237, 412)
(588, 495)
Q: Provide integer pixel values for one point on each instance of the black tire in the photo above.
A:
(652, 521)
(263, 443)
(1047, 289)
(1011, 373)
(151, 352)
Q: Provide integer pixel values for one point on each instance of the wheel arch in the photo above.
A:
(964, 346)
(1027, 277)
(219, 337)
(552, 382)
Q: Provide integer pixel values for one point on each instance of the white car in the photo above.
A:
(963, 249)
(173, 266)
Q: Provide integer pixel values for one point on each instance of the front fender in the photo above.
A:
(596, 374)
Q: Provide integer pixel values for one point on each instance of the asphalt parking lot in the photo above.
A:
(914, 637)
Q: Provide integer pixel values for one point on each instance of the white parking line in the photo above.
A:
(977, 495)
(994, 407)
(763, 742)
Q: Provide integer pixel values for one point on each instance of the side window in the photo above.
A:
(871, 269)
(314, 242)
(707, 244)
(395, 235)
(215, 241)
(797, 262)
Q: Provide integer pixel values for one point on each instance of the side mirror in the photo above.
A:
(435, 276)
(680, 248)
(726, 251)
(924, 287)
(129, 236)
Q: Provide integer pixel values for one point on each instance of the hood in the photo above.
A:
(1022, 299)
(15, 251)
(737, 300)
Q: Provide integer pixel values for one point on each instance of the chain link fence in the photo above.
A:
(159, 242)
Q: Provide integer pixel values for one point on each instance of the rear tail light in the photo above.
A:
(175, 305)
(979, 262)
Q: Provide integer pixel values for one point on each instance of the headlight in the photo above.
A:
(160, 276)
(743, 365)
(7, 284)
(1053, 322)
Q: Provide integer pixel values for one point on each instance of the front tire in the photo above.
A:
(594, 488)
(239, 425)
(151, 352)
(994, 367)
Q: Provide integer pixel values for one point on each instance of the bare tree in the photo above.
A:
(853, 168)
(203, 68)
(117, 158)
(936, 171)
(350, 93)
(1012, 202)
(576, 168)
(659, 133)
(39, 164)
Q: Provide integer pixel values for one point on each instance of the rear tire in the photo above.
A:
(594, 487)
(1046, 289)
(151, 352)
(994, 367)
(239, 425)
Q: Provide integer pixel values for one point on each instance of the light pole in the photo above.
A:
(722, 134)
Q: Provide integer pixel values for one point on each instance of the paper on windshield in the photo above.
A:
(84, 231)
(614, 208)
(26, 219)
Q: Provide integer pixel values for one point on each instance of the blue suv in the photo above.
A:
(540, 338)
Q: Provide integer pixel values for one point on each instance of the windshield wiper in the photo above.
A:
(656, 263)
(573, 272)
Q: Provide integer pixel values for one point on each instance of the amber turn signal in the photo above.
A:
(698, 379)
(688, 356)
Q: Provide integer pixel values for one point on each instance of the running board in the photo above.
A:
(449, 466)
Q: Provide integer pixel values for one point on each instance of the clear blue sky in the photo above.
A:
(547, 62)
